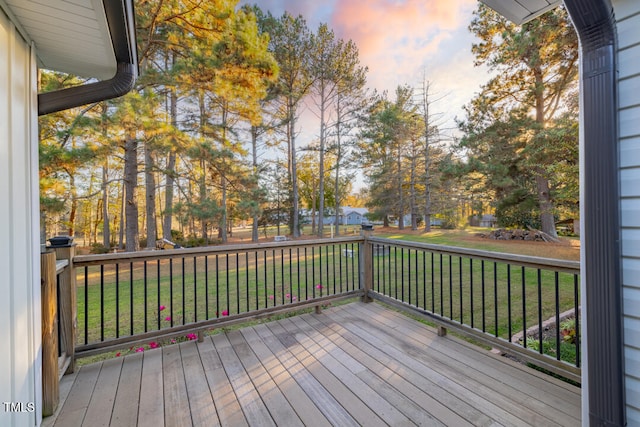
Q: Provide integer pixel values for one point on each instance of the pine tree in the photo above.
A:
(536, 66)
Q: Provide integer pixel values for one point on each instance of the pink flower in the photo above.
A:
(288, 295)
(153, 344)
(162, 307)
(294, 298)
(192, 337)
(118, 354)
(319, 286)
(139, 349)
(270, 296)
(225, 312)
(173, 341)
(168, 318)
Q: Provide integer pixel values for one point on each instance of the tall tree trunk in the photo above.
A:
(132, 242)
(336, 189)
(74, 205)
(321, 166)
(203, 196)
(427, 185)
(170, 172)
(413, 197)
(256, 212)
(106, 226)
(336, 184)
(150, 190)
(223, 220)
(547, 219)
(123, 201)
(314, 199)
(294, 171)
(400, 194)
(427, 181)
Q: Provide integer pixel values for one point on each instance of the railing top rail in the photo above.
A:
(521, 260)
(97, 259)
(61, 264)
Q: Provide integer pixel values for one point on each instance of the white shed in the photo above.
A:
(353, 216)
(84, 37)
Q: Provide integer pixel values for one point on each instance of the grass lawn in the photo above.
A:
(567, 249)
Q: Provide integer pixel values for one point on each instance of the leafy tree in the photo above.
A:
(388, 130)
(536, 66)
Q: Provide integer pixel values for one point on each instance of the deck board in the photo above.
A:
(250, 401)
(227, 406)
(356, 364)
(468, 382)
(176, 404)
(203, 409)
(279, 407)
(151, 410)
(105, 393)
(75, 405)
(125, 407)
(530, 392)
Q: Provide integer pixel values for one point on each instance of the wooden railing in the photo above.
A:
(130, 299)
(58, 321)
(522, 305)
(512, 303)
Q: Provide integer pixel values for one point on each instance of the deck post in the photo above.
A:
(68, 306)
(50, 379)
(366, 262)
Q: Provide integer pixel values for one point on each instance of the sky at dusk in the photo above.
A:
(400, 40)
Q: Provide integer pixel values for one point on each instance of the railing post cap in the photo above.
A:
(61, 242)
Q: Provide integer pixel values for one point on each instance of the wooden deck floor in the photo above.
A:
(356, 364)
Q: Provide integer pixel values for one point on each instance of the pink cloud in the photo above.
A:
(394, 35)
(366, 21)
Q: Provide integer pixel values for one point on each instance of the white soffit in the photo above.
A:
(71, 36)
(521, 11)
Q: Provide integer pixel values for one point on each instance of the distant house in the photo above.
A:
(486, 220)
(571, 225)
(353, 216)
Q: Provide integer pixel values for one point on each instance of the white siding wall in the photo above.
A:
(628, 21)
(20, 371)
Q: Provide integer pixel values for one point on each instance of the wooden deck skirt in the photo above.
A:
(356, 364)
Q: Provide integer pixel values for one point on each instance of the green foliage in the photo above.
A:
(521, 130)
(99, 248)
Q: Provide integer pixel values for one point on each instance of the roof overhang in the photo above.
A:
(88, 38)
(70, 36)
(521, 11)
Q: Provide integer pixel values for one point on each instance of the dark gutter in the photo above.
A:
(595, 24)
(120, 19)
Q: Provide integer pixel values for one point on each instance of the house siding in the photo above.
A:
(20, 331)
(627, 14)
